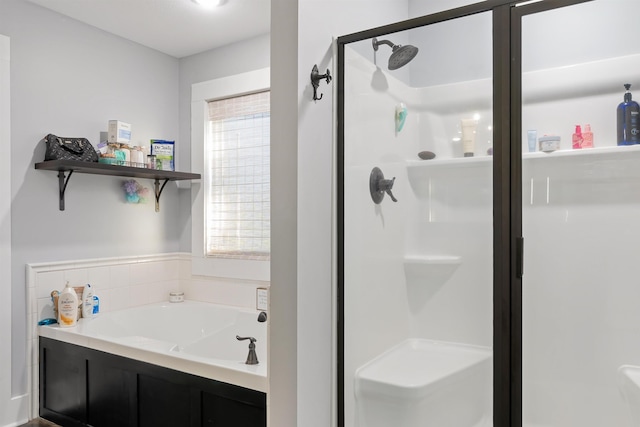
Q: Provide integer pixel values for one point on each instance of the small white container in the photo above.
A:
(176, 296)
(549, 143)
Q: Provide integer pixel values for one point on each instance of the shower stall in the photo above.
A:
(487, 245)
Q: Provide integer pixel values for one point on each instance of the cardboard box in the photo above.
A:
(119, 132)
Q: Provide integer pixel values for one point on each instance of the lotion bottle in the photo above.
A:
(468, 136)
(68, 307)
(87, 301)
(628, 115)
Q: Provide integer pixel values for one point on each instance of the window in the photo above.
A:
(230, 221)
(237, 177)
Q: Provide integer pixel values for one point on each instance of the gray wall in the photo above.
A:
(69, 79)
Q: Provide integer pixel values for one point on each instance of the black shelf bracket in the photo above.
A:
(62, 186)
(158, 191)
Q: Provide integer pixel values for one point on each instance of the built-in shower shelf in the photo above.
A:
(596, 153)
(431, 270)
(590, 164)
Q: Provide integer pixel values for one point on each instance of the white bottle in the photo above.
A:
(67, 307)
(87, 301)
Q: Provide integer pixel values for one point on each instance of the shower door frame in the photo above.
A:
(508, 242)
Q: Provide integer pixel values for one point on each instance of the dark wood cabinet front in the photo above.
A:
(84, 387)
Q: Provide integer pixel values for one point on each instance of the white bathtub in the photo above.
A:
(192, 337)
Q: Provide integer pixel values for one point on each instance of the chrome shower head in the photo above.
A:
(400, 56)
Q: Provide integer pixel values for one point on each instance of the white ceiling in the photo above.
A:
(176, 27)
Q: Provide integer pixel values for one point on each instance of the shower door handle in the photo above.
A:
(519, 257)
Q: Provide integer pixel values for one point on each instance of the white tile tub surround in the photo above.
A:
(121, 283)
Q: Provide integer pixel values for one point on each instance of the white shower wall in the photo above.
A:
(383, 307)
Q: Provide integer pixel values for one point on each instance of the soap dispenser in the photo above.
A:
(628, 120)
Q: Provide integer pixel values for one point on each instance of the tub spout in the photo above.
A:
(252, 358)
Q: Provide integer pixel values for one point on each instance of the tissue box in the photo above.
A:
(119, 132)
(165, 154)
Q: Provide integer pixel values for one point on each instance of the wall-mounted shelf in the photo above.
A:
(71, 166)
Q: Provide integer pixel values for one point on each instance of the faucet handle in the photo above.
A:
(251, 339)
(252, 358)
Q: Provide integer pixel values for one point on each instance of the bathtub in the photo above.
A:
(192, 337)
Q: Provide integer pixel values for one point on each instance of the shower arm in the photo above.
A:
(377, 43)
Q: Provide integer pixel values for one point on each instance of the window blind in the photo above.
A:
(237, 167)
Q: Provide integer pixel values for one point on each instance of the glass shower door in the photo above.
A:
(581, 204)
(417, 226)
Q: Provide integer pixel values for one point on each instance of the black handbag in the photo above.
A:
(59, 148)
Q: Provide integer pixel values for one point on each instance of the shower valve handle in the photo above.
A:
(378, 186)
(386, 185)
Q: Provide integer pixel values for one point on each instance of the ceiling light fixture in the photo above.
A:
(208, 4)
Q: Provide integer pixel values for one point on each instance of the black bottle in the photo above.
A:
(628, 120)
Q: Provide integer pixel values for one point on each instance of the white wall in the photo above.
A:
(310, 138)
(10, 409)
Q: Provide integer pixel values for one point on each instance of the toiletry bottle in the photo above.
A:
(67, 307)
(576, 138)
(468, 136)
(532, 140)
(587, 137)
(628, 120)
(96, 305)
(87, 301)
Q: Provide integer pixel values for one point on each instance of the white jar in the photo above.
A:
(549, 143)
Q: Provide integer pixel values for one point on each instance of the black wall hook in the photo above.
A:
(315, 81)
